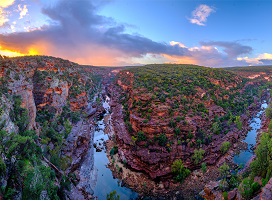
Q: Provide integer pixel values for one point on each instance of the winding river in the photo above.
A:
(99, 180)
(255, 124)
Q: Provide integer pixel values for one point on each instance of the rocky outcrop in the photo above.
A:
(77, 144)
(22, 86)
(5, 121)
(79, 102)
(156, 160)
(55, 96)
(266, 193)
(211, 192)
(185, 119)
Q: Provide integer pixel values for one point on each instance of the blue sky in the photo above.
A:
(163, 20)
(130, 32)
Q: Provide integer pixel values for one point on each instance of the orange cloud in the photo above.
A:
(14, 53)
(94, 55)
(180, 59)
(9, 53)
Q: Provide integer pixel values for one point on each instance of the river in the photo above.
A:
(255, 124)
(99, 180)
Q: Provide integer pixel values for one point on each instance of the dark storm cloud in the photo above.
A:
(232, 49)
(137, 44)
(77, 32)
(77, 22)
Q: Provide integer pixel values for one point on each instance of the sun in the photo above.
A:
(13, 53)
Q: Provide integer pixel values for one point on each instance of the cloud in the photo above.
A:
(261, 59)
(173, 43)
(80, 34)
(3, 14)
(232, 49)
(200, 14)
(6, 3)
(23, 11)
(209, 54)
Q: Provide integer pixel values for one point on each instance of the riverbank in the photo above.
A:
(197, 180)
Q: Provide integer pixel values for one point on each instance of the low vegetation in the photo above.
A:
(179, 170)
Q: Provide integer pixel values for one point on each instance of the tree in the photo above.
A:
(179, 170)
(162, 139)
(224, 170)
(238, 122)
(198, 155)
(67, 127)
(262, 164)
(113, 196)
(134, 139)
(177, 131)
(216, 128)
(268, 111)
(204, 167)
(2, 167)
(225, 147)
(141, 136)
(248, 188)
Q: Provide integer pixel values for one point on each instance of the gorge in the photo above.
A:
(88, 132)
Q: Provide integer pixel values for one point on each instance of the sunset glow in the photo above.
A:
(114, 33)
(10, 53)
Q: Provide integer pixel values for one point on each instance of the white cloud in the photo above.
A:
(3, 14)
(6, 3)
(173, 43)
(200, 14)
(23, 10)
(256, 60)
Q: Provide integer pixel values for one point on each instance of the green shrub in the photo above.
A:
(262, 165)
(67, 127)
(162, 139)
(113, 196)
(2, 167)
(238, 122)
(179, 170)
(177, 131)
(224, 170)
(204, 167)
(198, 155)
(268, 111)
(141, 136)
(247, 188)
(225, 147)
(225, 195)
(10, 192)
(114, 150)
(216, 128)
(190, 135)
(172, 123)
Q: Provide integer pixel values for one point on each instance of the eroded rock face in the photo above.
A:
(22, 86)
(211, 191)
(79, 102)
(77, 144)
(156, 160)
(44, 81)
(5, 120)
(179, 117)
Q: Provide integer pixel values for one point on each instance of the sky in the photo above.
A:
(217, 33)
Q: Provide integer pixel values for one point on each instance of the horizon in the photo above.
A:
(136, 65)
(113, 33)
